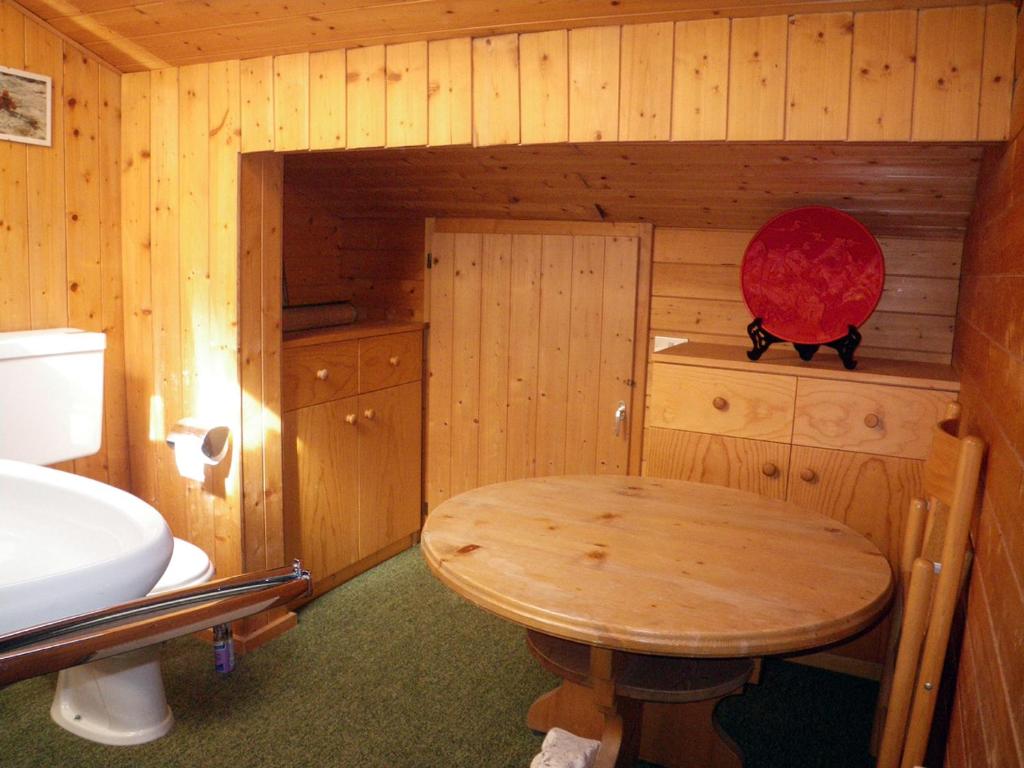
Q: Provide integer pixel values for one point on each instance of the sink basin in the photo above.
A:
(69, 545)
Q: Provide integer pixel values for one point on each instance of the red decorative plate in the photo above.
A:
(812, 272)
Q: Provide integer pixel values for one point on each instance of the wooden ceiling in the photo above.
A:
(922, 190)
(135, 35)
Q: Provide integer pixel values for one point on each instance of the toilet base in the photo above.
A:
(116, 701)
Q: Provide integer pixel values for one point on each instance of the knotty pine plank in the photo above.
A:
(166, 301)
(757, 79)
(136, 137)
(327, 119)
(366, 99)
(496, 90)
(115, 427)
(257, 85)
(450, 92)
(553, 355)
(700, 86)
(291, 102)
(585, 313)
(406, 94)
(882, 86)
(495, 342)
(193, 276)
(948, 80)
(594, 84)
(996, 77)
(82, 227)
(527, 260)
(544, 87)
(223, 374)
(818, 76)
(438, 459)
(15, 304)
(645, 91)
(47, 259)
(465, 420)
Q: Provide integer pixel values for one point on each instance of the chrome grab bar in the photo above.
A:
(120, 628)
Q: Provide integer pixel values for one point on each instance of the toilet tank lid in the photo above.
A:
(51, 341)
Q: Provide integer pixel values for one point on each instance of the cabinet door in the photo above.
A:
(870, 494)
(749, 465)
(319, 449)
(389, 466)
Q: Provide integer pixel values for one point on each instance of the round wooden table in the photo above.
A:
(648, 566)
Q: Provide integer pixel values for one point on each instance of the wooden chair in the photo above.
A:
(933, 566)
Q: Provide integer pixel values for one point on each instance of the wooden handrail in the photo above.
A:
(153, 619)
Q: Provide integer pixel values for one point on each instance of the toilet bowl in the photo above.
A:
(121, 700)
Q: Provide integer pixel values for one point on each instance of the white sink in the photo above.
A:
(69, 545)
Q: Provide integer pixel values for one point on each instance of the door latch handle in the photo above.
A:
(620, 417)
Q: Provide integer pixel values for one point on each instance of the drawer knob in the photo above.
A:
(350, 418)
(808, 475)
(720, 403)
(769, 469)
(872, 420)
(322, 374)
(369, 413)
(393, 361)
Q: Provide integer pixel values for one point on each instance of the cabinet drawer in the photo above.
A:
(757, 466)
(758, 406)
(890, 421)
(385, 361)
(316, 374)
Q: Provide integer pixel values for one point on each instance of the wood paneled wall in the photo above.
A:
(937, 74)
(696, 290)
(377, 264)
(60, 218)
(180, 144)
(988, 719)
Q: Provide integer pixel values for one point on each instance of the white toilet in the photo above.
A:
(51, 410)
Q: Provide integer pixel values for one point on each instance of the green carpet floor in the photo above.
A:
(393, 670)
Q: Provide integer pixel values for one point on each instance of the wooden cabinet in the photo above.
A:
(351, 441)
(887, 420)
(389, 466)
(751, 405)
(847, 444)
(749, 465)
(321, 509)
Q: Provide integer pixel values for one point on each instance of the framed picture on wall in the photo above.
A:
(25, 107)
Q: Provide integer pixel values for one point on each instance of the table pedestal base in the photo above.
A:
(672, 735)
(655, 707)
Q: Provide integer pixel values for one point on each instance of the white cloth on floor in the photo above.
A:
(562, 749)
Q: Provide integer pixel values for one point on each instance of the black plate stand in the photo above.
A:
(845, 346)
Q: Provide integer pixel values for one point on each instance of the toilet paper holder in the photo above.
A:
(198, 444)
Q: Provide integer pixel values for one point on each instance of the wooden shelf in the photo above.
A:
(359, 330)
(826, 365)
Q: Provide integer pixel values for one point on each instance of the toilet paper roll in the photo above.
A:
(189, 456)
(197, 445)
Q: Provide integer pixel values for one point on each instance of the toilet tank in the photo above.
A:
(51, 394)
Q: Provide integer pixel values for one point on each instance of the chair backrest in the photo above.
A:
(932, 574)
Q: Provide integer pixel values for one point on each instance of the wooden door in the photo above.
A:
(389, 465)
(319, 450)
(532, 348)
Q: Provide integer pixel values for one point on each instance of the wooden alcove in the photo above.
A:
(299, 213)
